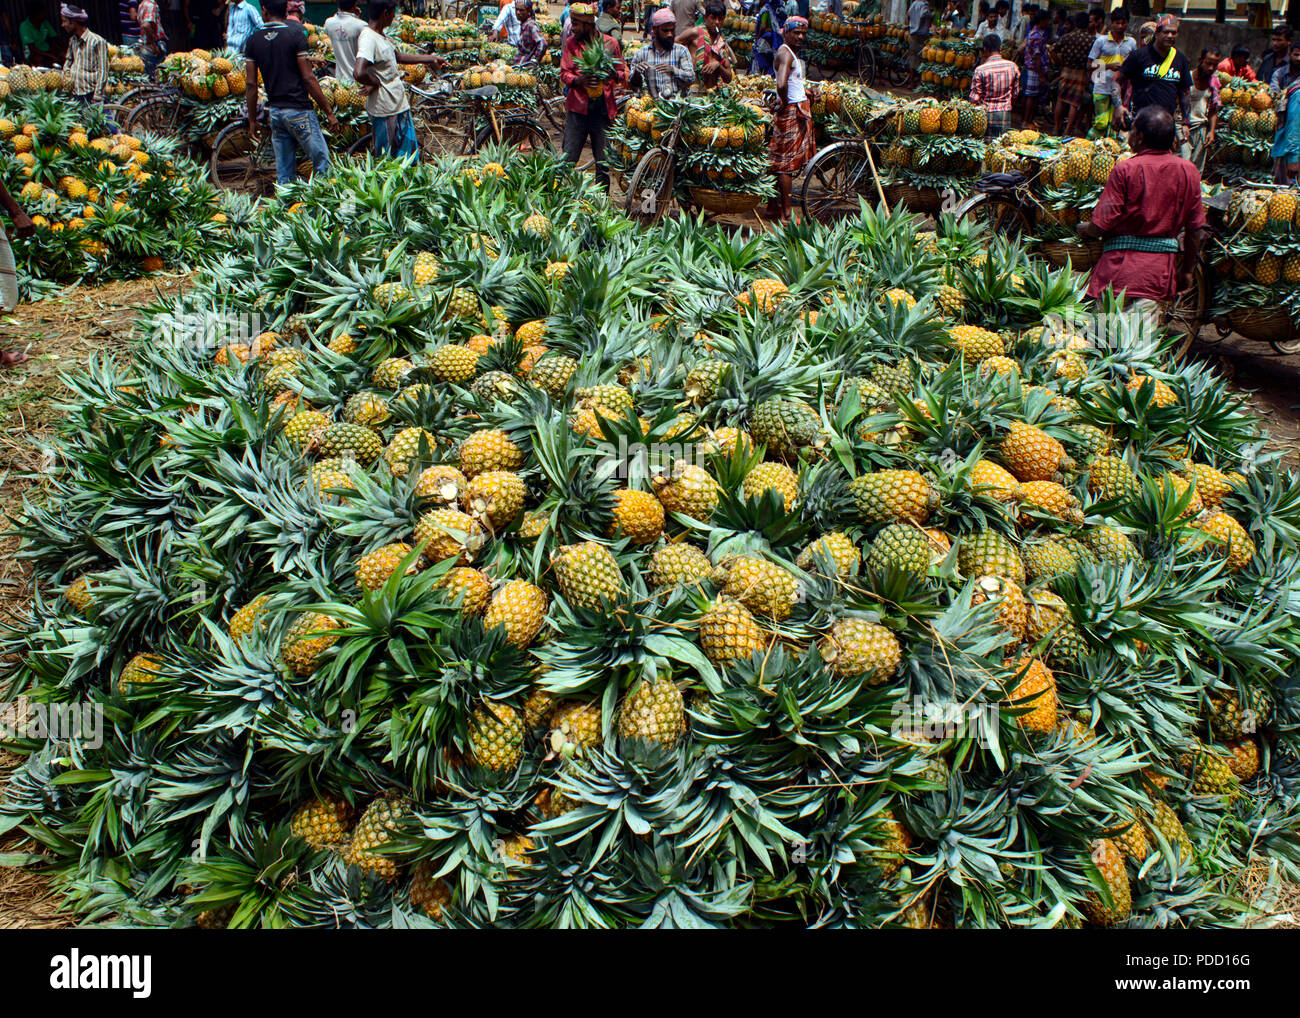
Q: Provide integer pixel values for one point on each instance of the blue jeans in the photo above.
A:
(290, 131)
(394, 136)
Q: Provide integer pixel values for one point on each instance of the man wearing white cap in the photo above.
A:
(87, 60)
(663, 64)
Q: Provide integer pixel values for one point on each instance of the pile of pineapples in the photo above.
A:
(1244, 137)
(936, 144)
(105, 205)
(1257, 259)
(505, 564)
(21, 80)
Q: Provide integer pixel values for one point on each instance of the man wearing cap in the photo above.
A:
(587, 116)
(87, 61)
(793, 138)
(1158, 75)
(663, 65)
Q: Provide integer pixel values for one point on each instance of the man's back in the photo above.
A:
(995, 81)
(1155, 194)
(343, 29)
(275, 49)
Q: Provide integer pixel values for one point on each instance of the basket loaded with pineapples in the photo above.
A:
(947, 61)
(561, 573)
(212, 89)
(1255, 263)
(1070, 185)
(516, 86)
(934, 146)
(105, 205)
(1243, 139)
(832, 42)
(721, 150)
(843, 110)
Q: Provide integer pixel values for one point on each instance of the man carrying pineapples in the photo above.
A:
(591, 67)
(1149, 201)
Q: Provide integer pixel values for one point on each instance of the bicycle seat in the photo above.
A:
(992, 182)
(486, 92)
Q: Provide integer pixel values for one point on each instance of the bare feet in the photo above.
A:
(12, 358)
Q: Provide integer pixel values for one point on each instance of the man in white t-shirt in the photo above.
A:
(378, 71)
(343, 28)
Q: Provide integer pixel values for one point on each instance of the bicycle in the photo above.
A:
(238, 163)
(159, 112)
(841, 175)
(444, 126)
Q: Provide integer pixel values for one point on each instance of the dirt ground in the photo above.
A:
(60, 335)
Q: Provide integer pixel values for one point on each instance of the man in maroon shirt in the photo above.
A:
(588, 116)
(1148, 202)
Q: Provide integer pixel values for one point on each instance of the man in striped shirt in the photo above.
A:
(664, 64)
(992, 86)
(87, 60)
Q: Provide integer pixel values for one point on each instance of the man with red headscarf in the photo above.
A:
(793, 139)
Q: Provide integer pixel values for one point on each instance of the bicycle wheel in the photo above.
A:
(650, 191)
(866, 65)
(362, 147)
(158, 114)
(837, 177)
(1002, 213)
(116, 113)
(899, 72)
(439, 132)
(238, 163)
(1188, 312)
(520, 135)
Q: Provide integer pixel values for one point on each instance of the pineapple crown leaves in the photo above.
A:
(634, 637)
(795, 701)
(258, 875)
(623, 797)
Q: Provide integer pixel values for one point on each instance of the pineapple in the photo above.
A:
(140, 671)
(690, 490)
(495, 497)
(587, 574)
(1211, 772)
(575, 728)
(307, 639)
(518, 607)
(763, 587)
(375, 568)
(679, 565)
(489, 450)
(989, 553)
(772, 477)
(857, 647)
(637, 515)
(653, 712)
(786, 427)
(496, 737)
(373, 833)
(349, 442)
(1036, 690)
(1013, 611)
(402, 451)
(449, 534)
(429, 894)
(901, 546)
(453, 362)
(1032, 454)
(468, 588)
(728, 632)
(893, 495)
(323, 823)
(835, 549)
(1109, 903)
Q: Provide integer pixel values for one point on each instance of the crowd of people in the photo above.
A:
(1107, 81)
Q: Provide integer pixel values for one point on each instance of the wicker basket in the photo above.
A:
(1266, 324)
(1080, 257)
(724, 201)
